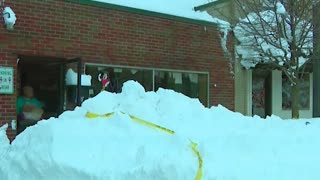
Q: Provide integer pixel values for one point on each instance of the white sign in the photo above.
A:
(6, 80)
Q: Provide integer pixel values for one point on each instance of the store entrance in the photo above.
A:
(261, 93)
(46, 75)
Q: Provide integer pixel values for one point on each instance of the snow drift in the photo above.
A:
(232, 146)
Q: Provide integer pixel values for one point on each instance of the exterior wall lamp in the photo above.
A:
(9, 18)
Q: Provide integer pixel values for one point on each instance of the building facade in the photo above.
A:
(157, 50)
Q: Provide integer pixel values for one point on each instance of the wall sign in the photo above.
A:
(6, 80)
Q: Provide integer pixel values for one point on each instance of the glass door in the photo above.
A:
(70, 84)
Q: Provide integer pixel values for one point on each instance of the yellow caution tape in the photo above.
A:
(93, 115)
(196, 152)
(147, 123)
(141, 121)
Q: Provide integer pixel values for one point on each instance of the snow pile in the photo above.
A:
(180, 8)
(72, 78)
(4, 141)
(232, 146)
(4, 146)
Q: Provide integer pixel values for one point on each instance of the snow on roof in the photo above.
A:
(280, 8)
(182, 8)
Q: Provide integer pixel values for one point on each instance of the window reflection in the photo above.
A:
(190, 84)
(118, 76)
(304, 91)
(194, 85)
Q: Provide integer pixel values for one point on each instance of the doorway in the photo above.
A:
(261, 92)
(46, 75)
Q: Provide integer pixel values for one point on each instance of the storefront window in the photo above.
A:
(304, 92)
(118, 76)
(194, 85)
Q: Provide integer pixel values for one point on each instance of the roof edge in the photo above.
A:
(214, 3)
(142, 12)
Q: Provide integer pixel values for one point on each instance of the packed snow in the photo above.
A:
(72, 78)
(114, 146)
(4, 141)
(180, 8)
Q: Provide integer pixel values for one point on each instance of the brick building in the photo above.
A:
(156, 49)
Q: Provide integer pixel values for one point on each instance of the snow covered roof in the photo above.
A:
(180, 8)
(219, 10)
(211, 3)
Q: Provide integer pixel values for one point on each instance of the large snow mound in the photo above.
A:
(232, 146)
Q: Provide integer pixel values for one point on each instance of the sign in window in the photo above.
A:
(6, 80)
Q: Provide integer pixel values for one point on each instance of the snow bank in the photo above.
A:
(232, 146)
(72, 78)
(4, 141)
(4, 147)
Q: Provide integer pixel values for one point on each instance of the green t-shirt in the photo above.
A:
(22, 101)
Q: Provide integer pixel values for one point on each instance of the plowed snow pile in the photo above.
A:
(116, 146)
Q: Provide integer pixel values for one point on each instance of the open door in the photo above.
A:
(46, 75)
(70, 95)
(259, 77)
(42, 74)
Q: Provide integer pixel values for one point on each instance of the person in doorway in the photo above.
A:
(28, 107)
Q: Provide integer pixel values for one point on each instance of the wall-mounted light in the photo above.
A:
(9, 17)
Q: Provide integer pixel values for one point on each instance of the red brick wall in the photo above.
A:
(99, 35)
